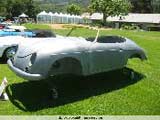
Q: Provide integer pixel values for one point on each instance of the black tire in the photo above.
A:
(54, 93)
(4, 57)
(129, 73)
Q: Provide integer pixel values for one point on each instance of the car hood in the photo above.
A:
(51, 45)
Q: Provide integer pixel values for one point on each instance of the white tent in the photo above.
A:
(23, 15)
(42, 17)
(42, 13)
(65, 18)
(50, 14)
(55, 17)
(50, 17)
(96, 16)
(61, 15)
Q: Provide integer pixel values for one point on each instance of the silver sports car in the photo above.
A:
(40, 59)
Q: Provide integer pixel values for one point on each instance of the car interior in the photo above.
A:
(107, 39)
(43, 33)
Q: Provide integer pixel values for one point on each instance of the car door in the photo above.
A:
(105, 56)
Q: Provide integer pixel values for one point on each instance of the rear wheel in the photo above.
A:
(129, 72)
(54, 93)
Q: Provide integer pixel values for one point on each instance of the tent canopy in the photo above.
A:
(23, 15)
(44, 17)
(42, 13)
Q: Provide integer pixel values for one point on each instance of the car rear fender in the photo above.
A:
(140, 55)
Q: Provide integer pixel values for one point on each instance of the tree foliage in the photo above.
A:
(110, 7)
(2, 8)
(141, 6)
(32, 8)
(13, 8)
(73, 9)
(145, 6)
(156, 6)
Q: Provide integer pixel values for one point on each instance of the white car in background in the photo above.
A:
(9, 44)
(15, 27)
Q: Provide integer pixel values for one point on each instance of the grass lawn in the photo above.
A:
(110, 93)
(37, 26)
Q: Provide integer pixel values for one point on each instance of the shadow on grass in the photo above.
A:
(2, 61)
(34, 96)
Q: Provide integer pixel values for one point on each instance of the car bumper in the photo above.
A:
(23, 74)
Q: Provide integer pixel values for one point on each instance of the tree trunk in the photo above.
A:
(104, 19)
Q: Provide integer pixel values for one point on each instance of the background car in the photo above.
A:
(9, 44)
(15, 31)
(2, 26)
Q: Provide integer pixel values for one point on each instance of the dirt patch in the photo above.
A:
(69, 26)
(57, 26)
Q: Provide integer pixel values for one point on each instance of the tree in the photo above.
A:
(2, 8)
(17, 8)
(13, 8)
(155, 6)
(141, 6)
(145, 6)
(8, 5)
(110, 7)
(73, 9)
(31, 9)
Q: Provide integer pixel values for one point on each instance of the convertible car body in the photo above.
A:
(73, 55)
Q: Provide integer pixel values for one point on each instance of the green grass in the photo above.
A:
(37, 26)
(110, 93)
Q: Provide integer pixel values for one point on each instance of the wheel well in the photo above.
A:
(136, 55)
(66, 65)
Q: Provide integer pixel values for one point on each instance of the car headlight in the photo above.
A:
(32, 59)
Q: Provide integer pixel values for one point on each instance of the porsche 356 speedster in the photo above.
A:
(38, 60)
